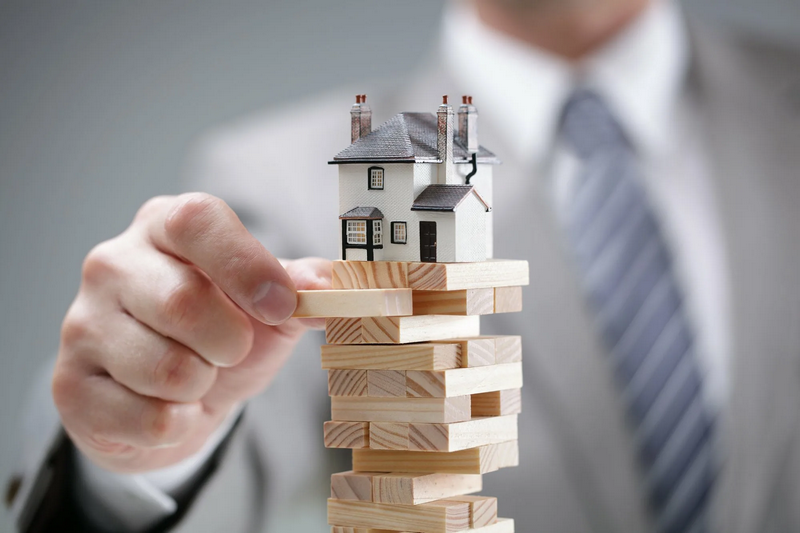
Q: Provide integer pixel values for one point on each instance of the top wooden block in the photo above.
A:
(429, 276)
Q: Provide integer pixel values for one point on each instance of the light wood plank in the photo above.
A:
(503, 525)
(427, 356)
(386, 383)
(347, 383)
(422, 410)
(354, 303)
(463, 381)
(369, 275)
(442, 516)
(463, 303)
(458, 276)
(476, 351)
(388, 436)
(508, 349)
(448, 437)
(343, 330)
(479, 460)
(482, 509)
(508, 299)
(497, 403)
(355, 486)
(415, 489)
(406, 329)
(352, 435)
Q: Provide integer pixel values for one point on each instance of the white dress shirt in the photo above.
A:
(641, 74)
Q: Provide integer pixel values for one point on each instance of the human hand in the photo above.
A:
(178, 319)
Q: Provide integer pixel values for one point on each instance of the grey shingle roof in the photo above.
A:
(407, 137)
(444, 198)
(370, 213)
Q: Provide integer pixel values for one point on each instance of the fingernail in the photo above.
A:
(275, 302)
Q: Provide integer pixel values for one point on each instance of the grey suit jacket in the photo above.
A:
(578, 471)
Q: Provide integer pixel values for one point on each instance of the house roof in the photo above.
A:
(407, 138)
(369, 213)
(445, 198)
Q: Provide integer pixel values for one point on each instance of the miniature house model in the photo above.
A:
(415, 189)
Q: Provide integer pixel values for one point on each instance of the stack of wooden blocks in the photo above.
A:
(425, 402)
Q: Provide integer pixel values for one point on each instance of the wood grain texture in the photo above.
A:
(463, 303)
(352, 435)
(482, 509)
(421, 410)
(343, 330)
(477, 350)
(503, 525)
(497, 403)
(463, 381)
(388, 436)
(448, 437)
(428, 356)
(479, 460)
(458, 276)
(508, 348)
(355, 486)
(347, 382)
(415, 489)
(369, 275)
(386, 383)
(442, 516)
(406, 329)
(353, 303)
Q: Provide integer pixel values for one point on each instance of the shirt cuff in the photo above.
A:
(136, 502)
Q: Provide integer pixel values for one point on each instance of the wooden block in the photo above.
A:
(356, 486)
(387, 383)
(464, 302)
(428, 356)
(354, 303)
(446, 437)
(508, 349)
(482, 509)
(422, 410)
(388, 436)
(508, 299)
(406, 329)
(369, 275)
(347, 382)
(476, 351)
(458, 276)
(497, 403)
(346, 435)
(503, 525)
(463, 381)
(343, 330)
(414, 489)
(479, 460)
(442, 516)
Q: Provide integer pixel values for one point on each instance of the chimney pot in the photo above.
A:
(444, 99)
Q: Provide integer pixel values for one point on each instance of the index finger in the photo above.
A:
(202, 230)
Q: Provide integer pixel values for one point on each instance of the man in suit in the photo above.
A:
(181, 320)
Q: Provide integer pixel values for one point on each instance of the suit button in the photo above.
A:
(12, 488)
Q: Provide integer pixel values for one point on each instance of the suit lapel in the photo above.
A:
(755, 151)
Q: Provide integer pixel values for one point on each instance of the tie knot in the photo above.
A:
(588, 125)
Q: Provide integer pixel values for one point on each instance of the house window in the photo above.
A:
(399, 235)
(356, 232)
(375, 175)
(377, 235)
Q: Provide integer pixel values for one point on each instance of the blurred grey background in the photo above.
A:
(100, 100)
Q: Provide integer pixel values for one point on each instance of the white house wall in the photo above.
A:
(483, 182)
(445, 234)
(470, 228)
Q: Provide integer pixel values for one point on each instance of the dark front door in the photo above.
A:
(427, 242)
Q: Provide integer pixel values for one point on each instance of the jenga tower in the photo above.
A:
(425, 402)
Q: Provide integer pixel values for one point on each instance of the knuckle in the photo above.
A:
(181, 376)
(182, 306)
(192, 216)
(151, 207)
(75, 329)
(100, 264)
(64, 388)
(162, 423)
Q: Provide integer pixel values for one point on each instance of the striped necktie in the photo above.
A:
(625, 268)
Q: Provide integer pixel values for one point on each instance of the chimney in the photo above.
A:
(468, 124)
(360, 118)
(445, 142)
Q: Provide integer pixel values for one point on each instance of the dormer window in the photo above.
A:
(375, 178)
